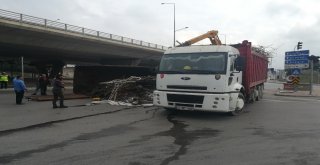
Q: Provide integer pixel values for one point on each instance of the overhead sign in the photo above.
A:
(296, 59)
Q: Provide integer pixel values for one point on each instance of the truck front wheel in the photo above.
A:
(239, 105)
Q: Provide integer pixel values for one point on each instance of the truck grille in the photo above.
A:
(185, 98)
(186, 87)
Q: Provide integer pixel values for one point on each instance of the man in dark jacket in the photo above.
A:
(57, 90)
(43, 83)
(37, 85)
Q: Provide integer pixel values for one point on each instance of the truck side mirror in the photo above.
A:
(239, 63)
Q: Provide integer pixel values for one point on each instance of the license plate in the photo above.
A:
(184, 108)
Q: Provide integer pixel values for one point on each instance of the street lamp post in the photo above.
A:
(174, 22)
(181, 29)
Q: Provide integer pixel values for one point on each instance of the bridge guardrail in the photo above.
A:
(50, 24)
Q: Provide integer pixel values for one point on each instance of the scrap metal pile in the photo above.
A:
(132, 90)
(262, 50)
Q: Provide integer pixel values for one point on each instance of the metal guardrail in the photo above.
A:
(41, 22)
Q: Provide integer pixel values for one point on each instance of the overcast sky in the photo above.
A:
(275, 24)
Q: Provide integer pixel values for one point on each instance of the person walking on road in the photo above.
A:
(19, 89)
(43, 83)
(57, 90)
(4, 79)
(37, 85)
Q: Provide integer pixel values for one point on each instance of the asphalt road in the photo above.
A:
(275, 130)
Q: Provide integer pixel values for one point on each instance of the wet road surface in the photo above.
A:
(275, 130)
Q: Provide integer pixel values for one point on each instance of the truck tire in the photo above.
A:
(260, 92)
(253, 96)
(239, 105)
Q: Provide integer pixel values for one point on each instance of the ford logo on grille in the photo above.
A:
(185, 78)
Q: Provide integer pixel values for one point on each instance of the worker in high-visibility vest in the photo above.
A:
(4, 79)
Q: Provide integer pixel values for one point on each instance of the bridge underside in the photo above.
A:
(33, 55)
(39, 45)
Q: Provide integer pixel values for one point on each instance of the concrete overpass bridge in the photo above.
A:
(42, 41)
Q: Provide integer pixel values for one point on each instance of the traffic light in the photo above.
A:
(299, 46)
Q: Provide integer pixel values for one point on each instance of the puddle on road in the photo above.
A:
(184, 138)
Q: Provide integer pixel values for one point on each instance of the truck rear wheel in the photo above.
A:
(253, 96)
(239, 105)
(260, 92)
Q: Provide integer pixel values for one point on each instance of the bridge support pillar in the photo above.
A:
(50, 68)
(57, 68)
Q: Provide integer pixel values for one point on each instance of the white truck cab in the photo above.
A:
(200, 78)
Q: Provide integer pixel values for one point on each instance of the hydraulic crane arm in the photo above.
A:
(212, 35)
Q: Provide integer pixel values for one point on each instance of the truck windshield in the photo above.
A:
(194, 63)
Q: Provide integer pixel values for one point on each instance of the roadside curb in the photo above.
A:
(277, 94)
(50, 97)
(275, 82)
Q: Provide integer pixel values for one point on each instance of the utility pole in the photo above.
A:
(22, 68)
(174, 22)
(311, 79)
(313, 59)
(318, 76)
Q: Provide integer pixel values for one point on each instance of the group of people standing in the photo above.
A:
(43, 82)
